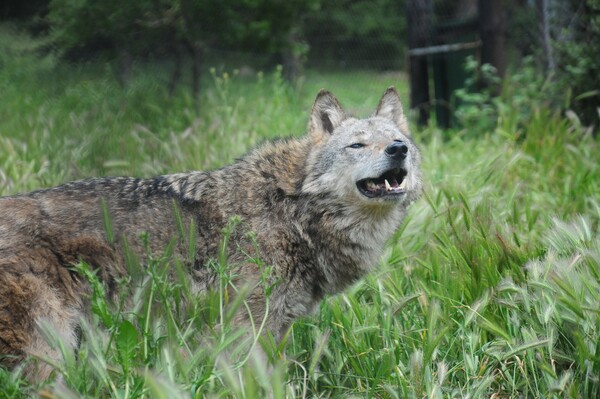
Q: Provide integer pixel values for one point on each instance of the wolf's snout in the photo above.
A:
(397, 150)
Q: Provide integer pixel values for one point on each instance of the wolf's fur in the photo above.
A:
(299, 197)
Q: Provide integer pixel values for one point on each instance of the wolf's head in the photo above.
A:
(371, 162)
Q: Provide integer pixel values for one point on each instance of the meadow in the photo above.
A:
(491, 289)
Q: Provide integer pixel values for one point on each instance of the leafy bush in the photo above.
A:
(476, 103)
(572, 87)
(481, 110)
(579, 60)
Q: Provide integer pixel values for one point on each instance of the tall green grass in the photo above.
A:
(490, 289)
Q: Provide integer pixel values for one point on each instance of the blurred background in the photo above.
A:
(162, 67)
(430, 38)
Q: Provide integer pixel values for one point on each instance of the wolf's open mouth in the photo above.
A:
(390, 183)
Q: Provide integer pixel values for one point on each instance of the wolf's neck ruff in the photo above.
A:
(320, 209)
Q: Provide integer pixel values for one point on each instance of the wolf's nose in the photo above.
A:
(397, 150)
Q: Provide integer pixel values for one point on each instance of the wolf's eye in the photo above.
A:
(356, 145)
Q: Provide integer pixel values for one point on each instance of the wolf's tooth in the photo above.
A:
(371, 185)
(403, 184)
(387, 185)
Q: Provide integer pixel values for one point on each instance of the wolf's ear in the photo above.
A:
(326, 115)
(391, 108)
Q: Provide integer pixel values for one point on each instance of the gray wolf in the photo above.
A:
(320, 209)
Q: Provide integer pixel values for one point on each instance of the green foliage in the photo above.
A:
(13, 387)
(490, 288)
(477, 105)
(180, 30)
(146, 27)
(358, 33)
(343, 31)
(523, 91)
(572, 86)
(579, 60)
(80, 23)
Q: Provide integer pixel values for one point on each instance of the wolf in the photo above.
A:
(320, 209)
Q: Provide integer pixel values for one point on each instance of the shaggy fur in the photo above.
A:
(320, 207)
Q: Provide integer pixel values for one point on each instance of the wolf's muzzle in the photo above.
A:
(397, 150)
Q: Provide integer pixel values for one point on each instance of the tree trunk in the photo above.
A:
(419, 34)
(293, 56)
(492, 28)
(543, 17)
